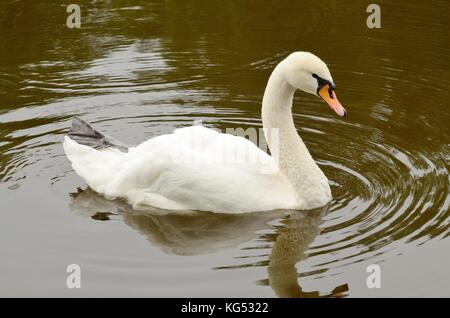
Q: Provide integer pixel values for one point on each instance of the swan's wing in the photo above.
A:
(202, 169)
(200, 145)
(194, 168)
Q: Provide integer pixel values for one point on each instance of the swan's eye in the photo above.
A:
(314, 75)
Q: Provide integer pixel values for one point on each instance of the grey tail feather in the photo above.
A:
(85, 134)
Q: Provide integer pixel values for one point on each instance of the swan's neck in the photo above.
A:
(287, 148)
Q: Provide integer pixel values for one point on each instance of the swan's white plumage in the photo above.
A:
(196, 168)
(173, 172)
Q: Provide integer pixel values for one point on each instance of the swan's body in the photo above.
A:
(196, 168)
(156, 174)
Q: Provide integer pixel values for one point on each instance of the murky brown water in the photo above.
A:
(142, 69)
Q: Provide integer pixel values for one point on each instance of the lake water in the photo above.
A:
(143, 69)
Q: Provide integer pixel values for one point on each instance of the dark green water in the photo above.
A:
(143, 69)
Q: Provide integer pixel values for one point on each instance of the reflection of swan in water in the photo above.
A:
(191, 233)
(203, 233)
(291, 242)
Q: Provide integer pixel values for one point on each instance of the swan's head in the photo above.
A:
(307, 72)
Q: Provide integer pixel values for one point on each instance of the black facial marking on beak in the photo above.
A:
(322, 82)
(330, 92)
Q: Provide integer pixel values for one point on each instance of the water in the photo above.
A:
(141, 70)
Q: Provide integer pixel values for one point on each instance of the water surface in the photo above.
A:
(143, 69)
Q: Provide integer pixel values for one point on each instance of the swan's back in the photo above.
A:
(194, 168)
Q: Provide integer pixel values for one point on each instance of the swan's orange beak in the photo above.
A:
(329, 96)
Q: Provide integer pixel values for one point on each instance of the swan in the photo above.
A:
(190, 170)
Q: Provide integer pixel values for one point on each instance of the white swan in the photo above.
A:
(191, 169)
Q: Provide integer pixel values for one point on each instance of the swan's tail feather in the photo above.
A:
(85, 134)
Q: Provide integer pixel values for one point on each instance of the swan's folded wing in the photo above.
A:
(194, 168)
(200, 169)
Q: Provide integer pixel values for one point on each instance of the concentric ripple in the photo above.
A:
(384, 196)
(139, 71)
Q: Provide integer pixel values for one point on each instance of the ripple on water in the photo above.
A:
(386, 192)
(383, 194)
(382, 197)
